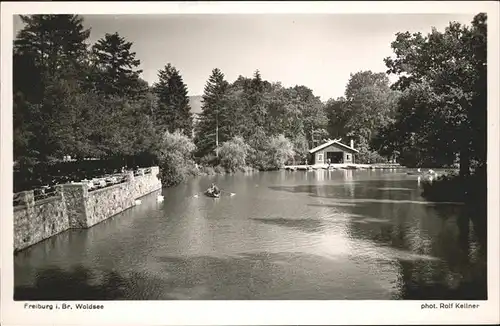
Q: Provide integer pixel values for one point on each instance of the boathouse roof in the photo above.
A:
(333, 142)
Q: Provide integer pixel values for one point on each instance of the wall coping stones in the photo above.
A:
(47, 200)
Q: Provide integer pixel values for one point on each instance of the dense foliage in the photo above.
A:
(369, 104)
(233, 154)
(176, 158)
(257, 111)
(73, 98)
(441, 115)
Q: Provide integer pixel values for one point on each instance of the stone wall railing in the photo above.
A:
(20, 198)
(75, 206)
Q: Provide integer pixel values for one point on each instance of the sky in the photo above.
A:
(319, 51)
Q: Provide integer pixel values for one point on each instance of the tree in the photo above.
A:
(300, 147)
(313, 115)
(253, 102)
(285, 112)
(214, 121)
(476, 40)
(371, 104)
(338, 117)
(368, 107)
(49, 61)
(233, 154)
(175, 158)
(23, 133)
(259, 111)
(280, 151)
(54, 44)
(270, 153)
(258, 150)
(115, 67)
(450, 67)
(174, 111)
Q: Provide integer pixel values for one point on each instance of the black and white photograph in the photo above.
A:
(262, 157)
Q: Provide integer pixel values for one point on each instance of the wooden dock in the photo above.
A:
(349, 166)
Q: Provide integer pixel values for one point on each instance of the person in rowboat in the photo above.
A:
(214, 189)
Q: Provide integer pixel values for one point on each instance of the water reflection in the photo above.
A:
(306, 224)
(302, 235)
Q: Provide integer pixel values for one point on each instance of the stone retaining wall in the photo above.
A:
(74, 206)
(36, 221)
(103, 203)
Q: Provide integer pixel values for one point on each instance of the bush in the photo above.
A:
(301, 149)
(208, 170)
(172, 171)
(176, 160)
(209, 160)
(270, 154)
(447, 187)
(280, 151)
(247, 169)
(192, 169)
(455, 188)
(219, 169)
(233, 154)
(369, 157)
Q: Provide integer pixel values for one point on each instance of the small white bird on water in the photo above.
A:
(138, 201)
(160, 198)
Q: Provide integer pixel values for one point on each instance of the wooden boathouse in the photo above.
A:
(333, 150)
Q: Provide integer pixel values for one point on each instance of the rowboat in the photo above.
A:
(212, 194)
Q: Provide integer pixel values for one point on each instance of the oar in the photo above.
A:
(230, 193)
(197, 194)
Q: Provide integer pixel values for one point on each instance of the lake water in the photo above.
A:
(283, 235)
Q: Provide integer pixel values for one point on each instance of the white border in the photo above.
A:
(245, 312)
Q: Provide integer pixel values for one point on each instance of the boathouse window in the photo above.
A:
(320, 157)
(348, 157)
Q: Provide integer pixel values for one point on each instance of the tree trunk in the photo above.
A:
(464, 162)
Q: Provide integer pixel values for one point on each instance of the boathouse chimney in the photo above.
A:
(352, 143)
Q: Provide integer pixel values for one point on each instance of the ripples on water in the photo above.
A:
(285, 235)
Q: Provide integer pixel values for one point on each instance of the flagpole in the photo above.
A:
(217, 133)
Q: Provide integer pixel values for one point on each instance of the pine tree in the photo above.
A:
(115, 66)
(49, 46)
(255, 111)
(257, 84)
(174, 111)
(214, 119)
(49, 58)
